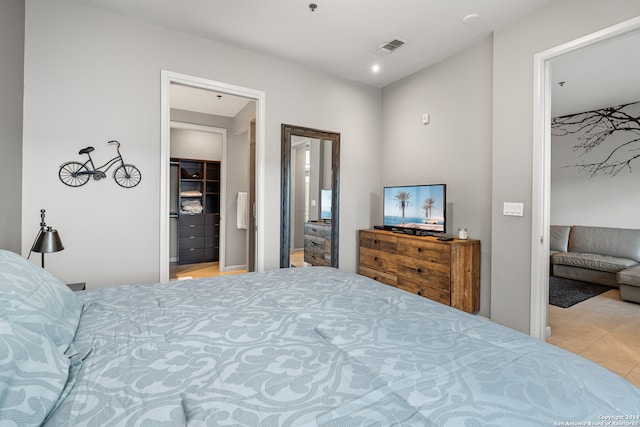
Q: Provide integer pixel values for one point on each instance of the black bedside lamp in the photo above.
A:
(48, 239)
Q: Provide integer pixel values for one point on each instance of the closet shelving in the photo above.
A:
(198, 210)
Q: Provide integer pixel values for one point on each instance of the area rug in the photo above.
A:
(567, 292)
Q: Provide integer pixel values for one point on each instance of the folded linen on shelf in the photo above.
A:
(192, 193)
(192, 209)
(191, 206)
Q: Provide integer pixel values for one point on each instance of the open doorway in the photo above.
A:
(541, 200)
(191, 108)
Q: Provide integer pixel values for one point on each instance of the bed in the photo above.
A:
(291, 347)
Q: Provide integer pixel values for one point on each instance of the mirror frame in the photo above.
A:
(287, 131)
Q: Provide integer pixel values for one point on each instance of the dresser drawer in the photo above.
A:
(191, 230)
(212, 219)
(414, 270)
(435, 294)
(380, 276)
(211, 254)
(439, 253)
(377, 241)
(377, 260)
(188, 220)
(190, 256)
(317, 229)
(211, 230)
(191, 243)
(316, 251)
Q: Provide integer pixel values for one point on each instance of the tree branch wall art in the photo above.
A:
(608, 139)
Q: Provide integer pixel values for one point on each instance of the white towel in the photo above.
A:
(242, 218)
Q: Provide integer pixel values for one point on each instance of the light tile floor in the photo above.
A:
(604, 329)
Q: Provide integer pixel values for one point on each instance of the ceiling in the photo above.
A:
(341, 36)
(205, 101)
(603, 75)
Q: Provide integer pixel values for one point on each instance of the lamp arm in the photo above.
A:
(34, 242)
(43, 227)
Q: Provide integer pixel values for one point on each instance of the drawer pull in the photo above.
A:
(375, 258)
(191, 225)
(420, 293)
(375, 241)
(419, 249)
(419, 270)
(375, 277)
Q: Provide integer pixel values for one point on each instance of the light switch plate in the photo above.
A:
(513, 209)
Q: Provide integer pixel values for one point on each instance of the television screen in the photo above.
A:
(325, 204)
(416, 206)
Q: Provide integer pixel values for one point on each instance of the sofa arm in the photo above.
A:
(559, 238)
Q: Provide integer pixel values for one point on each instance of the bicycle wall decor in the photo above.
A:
(76, 174)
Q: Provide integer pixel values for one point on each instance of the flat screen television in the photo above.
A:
(325, 204)
(417, 207)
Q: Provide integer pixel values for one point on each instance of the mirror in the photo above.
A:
(310, 179)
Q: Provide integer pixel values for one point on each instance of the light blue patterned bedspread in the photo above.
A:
(316, 346)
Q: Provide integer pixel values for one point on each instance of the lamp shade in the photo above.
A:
(48, 241)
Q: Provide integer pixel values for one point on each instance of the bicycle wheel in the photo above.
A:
(73, 174)
(127, 176)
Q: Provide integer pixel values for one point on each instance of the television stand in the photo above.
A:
(447, 272)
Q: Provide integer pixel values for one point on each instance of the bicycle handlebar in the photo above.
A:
(113, 142)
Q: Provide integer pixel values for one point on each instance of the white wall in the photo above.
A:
(455, 148)
(513, 50)
(194, 144)
(86, 82)
(11, 70)
(602, 200)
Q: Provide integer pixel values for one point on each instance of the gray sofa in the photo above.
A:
(608, 256)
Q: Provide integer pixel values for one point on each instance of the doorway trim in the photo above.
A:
(541, 178)
(166, 79)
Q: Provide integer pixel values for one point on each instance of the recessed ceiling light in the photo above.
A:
(375, 68)
(471, 19)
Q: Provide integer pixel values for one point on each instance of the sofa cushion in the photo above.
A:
(614, 242)
(629, 276)
(592, 261)
(559, 238)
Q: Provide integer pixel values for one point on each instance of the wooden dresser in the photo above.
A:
(447, 272)
(317, 243)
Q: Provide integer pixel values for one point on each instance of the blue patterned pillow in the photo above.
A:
(34, 299)
(33, 373)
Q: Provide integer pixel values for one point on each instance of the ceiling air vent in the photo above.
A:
(389, 46)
